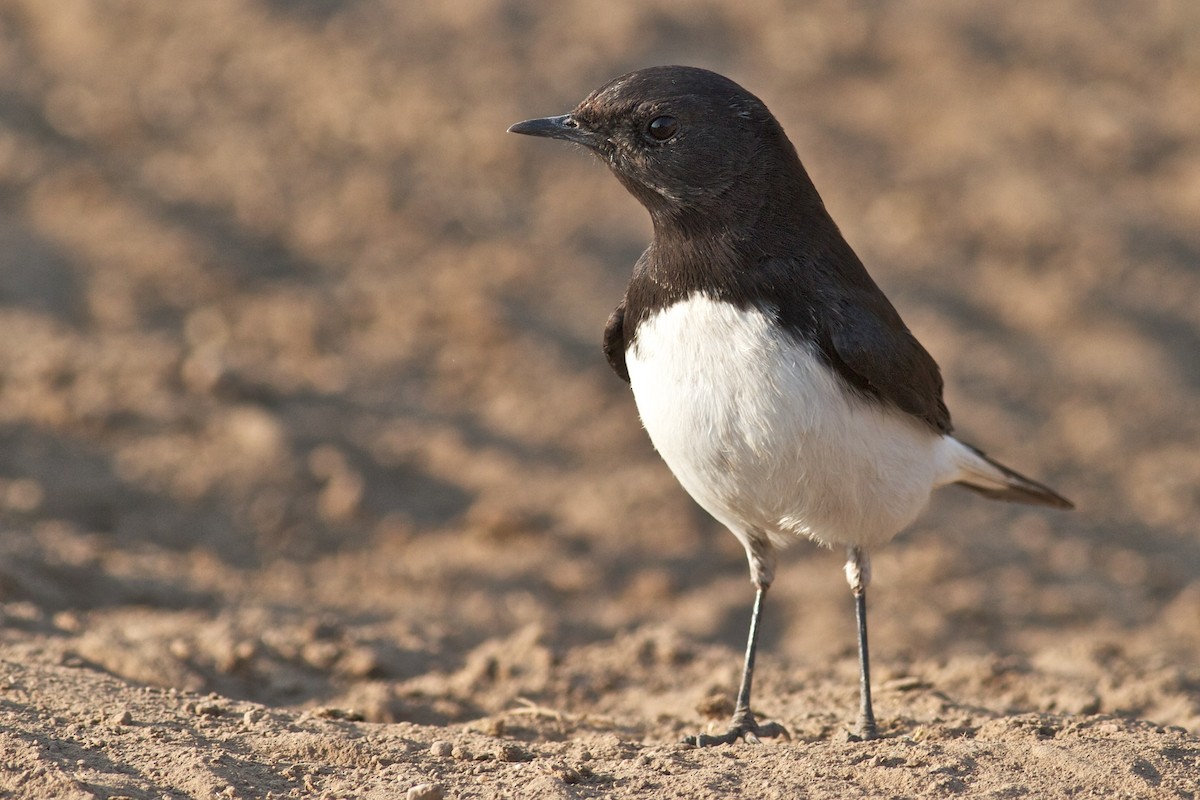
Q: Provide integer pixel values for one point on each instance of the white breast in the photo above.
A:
(766, 438)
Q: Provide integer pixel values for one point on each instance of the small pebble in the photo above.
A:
(206, 709)
(441, 748)
(512, 753)
(425, 791)
(122, 717)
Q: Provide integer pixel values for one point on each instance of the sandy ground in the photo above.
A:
(314, 482)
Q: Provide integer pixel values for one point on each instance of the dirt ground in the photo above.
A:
(314, 481)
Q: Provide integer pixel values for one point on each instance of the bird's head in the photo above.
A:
(685, 141)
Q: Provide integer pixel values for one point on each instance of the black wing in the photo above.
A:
(614, 342)
(825, 296)
(876, 353)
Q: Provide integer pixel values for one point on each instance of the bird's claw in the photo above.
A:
(866, 730)
(745, 727)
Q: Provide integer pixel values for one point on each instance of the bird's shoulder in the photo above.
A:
(860, 335)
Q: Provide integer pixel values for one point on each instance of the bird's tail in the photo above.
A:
(980, 474)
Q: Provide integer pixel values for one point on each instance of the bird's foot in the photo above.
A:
(865, 731)
(744, 726)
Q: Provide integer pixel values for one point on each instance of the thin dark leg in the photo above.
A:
(743, 696)
(744, 725)
(866, 714)
(858, 573)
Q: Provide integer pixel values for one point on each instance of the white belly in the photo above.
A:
(764, 436)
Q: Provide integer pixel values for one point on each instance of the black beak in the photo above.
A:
(564, 127)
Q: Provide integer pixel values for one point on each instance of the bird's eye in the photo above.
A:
(662, 128)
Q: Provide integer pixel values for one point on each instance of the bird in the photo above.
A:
(772, 375)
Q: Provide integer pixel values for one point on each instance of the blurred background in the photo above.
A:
(301, 392)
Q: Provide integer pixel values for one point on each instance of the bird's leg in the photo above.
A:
(743, 725)
(858, 574)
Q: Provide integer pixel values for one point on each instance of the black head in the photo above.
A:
(685, 141)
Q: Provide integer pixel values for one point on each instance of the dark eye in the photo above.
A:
(662, 128)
